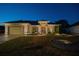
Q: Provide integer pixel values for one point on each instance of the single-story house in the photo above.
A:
(21, 27)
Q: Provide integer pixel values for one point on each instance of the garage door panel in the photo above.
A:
(16, 30)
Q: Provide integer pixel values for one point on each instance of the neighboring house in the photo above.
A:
(74, 29)
(31, 27)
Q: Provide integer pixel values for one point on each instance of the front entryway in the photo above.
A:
(43, 30)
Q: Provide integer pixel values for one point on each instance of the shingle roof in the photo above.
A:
(24, 21)
(28, 21)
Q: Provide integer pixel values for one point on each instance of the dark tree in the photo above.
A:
(64, 28)
(2, 29)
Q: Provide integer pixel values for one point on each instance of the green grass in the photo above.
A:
(34, 45)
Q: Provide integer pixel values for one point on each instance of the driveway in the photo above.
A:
(4, 38)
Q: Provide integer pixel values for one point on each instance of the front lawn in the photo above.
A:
(35, 45)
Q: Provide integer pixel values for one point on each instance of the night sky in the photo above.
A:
(51, 12)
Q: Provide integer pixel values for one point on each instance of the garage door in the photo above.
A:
(16, 30)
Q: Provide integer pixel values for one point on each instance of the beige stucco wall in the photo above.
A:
(27, 28)
(51, 28)
(43, 22)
